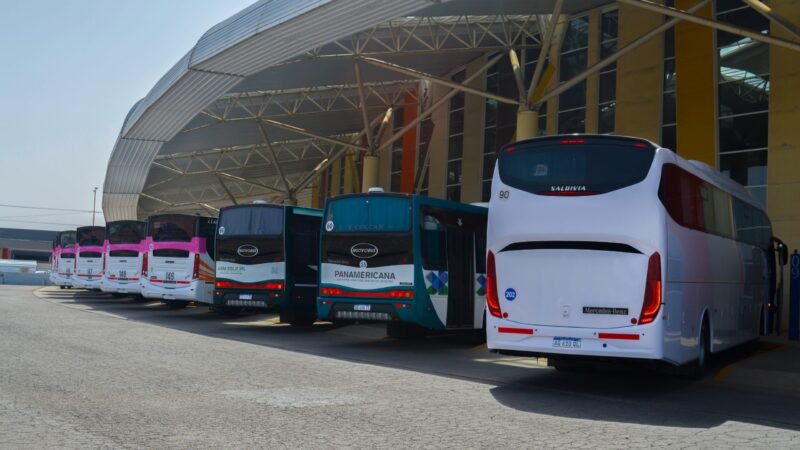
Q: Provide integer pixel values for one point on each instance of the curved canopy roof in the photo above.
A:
(269, 97)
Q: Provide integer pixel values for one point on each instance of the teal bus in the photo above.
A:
(267, 260)
(416, 263)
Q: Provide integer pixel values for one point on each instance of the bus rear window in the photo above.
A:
(575, 166)
(125, 232)
(88, 236)
(67, 239)
(251, 221)
(172, 229)
(368, 213)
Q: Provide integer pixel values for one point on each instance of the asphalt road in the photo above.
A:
(91, 371)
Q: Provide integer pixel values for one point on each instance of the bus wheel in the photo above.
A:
(62, 287)
(399, 330)
(697, 369)
(176, 304)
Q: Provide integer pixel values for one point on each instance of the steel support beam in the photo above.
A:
(425, 76)
(304, 132)
(424, 114)
(687, 16)
(768, 12)
(363, 104)
(246, 181)
(275, 162)
(544, 52)
(617, 55)
(227, 191)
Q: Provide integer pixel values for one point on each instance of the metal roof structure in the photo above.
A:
(269, 98)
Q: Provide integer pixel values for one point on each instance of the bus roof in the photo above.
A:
(418, 200)
(190, 216)
(303, 211)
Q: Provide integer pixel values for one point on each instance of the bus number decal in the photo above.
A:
(503, 194)
(170, 276)
(511, 294)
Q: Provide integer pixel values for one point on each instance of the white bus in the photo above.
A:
(606, 246)
(89, 257)
(178, 264)
(122, 257)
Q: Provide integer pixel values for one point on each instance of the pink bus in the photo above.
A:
(178, 267)
(62, 259)
(89, 257)
(122, 258)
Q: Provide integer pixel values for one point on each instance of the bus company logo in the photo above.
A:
(247, 251)
(567, 188)
(364, 250)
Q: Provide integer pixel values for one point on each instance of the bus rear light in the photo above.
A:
(515, 330)
(652, 290)
(492, 302)
(196, 270)
(144, 265)
(640, 145)
(272, 285)
(394, 293)
(620, 336)
(571, 141)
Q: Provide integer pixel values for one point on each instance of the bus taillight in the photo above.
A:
(196, 270)
(144, 264)
(652, 290)
(492, 302)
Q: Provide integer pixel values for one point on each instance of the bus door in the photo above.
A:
(460, 270)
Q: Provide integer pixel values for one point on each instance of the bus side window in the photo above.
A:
(434, 244)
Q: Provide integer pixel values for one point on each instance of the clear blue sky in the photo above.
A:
(69, 73)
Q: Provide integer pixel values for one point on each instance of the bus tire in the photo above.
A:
(404, 331)
(697, 369)
(62, 287)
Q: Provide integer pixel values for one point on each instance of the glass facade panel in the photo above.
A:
(668, 125)
(572, 61)
(743, 98)
(455, 141)
(607, 89)
(572, 121)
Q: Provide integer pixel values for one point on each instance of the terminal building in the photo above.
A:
(294, 101)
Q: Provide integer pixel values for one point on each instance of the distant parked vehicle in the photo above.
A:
(89, 257)
(122, 257)
(267, 257)
(62, 259)
(178, 264)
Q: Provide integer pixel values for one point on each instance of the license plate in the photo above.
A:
(245, 296)
(362, 307)
(566, 342)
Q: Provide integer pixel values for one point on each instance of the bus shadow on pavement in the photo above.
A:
(606, 393)
(647, 397)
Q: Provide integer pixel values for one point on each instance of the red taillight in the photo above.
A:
(640, 145)
(572, 141)
(196, 271)
(394, 293)
(104, 263)
(144, 265)
(272, 285)
(492, 302)
(652, 290)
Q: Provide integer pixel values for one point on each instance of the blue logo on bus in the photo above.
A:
(511, 294)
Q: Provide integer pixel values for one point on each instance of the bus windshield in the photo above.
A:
(172, 229)
(125, 232)
(67, 239)
(368, 213)
(575, 166)
(91, 236)
(251, 221)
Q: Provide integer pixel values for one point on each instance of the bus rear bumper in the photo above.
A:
(359, 310)
(120, 287)
(192, 292)
(61, 280)
(637, 342)
(84, 283)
